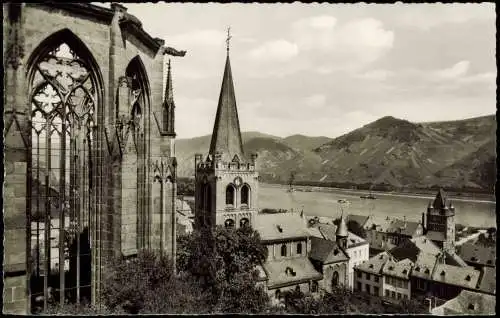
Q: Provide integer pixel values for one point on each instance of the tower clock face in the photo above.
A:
(237, 181)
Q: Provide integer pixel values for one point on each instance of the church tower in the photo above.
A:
(226, 185)
(441, 222)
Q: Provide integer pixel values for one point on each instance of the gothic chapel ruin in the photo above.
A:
(90, 168)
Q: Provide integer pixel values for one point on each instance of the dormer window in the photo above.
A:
(467, 278)
(442, 273)
(391, 268)
(290, 272)
(335, 252)
(471, 307)
(489, 262)
(371, 266)
(427, 271)
(473, 259)
(280, 229)
(405, 271)
(417, 269)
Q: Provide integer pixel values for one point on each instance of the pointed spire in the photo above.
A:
(342, 227)
(168, 104)
(440, 201)
(226, 136)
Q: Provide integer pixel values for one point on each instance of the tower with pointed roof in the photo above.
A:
(342, 233)
(226, 186)
(441, 222)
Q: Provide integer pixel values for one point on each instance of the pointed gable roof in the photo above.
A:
(342, 228)
(226, 136)
(440, 200)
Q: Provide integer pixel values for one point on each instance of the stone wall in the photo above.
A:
(122, 185)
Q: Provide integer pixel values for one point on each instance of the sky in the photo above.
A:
(327, 69)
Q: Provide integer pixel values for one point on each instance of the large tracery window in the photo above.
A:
(64, 99)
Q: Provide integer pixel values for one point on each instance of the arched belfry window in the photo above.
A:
(65, 96)
(230, 195)
(245, 194)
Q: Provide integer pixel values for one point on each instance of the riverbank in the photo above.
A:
(425, 194)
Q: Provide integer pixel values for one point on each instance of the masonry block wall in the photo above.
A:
(123, 218)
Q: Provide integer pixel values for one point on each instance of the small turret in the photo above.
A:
(341, 233)
(430, 207)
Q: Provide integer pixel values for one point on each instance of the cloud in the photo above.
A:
(334, 46)
(458, 70)
(428, 16)
(376, 75)
(315, 101)
(279, 50)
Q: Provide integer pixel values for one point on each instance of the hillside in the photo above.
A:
(388, 151)
(301, 142)
(400, 153)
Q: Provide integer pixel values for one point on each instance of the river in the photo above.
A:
(480, 213)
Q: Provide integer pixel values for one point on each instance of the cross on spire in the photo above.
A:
(228, 38)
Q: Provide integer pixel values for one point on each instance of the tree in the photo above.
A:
(224, 261)
(128, 284)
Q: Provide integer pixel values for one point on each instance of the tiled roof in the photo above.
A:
(424, 265)
(286, 272)
(361, 219)
(399, 269)
(326, 251)
(375, 264)
(469, 303)
(454, 259)
(426, 245)
(279, 226)
(478, 254)
(453, 275)
(488, 281)
(329, 232)
(408, 228)
(314, 232)
(412, 248)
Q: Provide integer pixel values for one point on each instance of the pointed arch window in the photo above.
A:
(245, 195)
(335, 279)
(230, 195)
(65, 96)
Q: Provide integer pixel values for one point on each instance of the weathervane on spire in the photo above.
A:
(228, 38)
